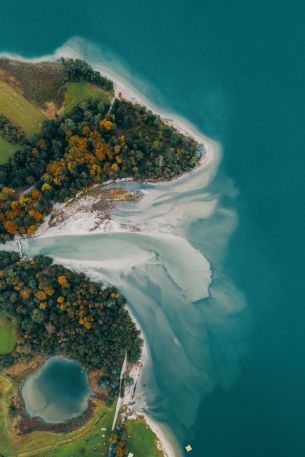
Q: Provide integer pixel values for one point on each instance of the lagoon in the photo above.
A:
(58, 391)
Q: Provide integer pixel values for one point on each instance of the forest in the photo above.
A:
(91, 144)
(77, 70)
(60, 311)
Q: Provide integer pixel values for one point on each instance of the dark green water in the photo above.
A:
(58, 391)
(236, 70)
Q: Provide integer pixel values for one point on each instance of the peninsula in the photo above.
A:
(64, 131)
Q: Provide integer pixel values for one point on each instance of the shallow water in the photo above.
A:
(236, 70)
(194, 322)
(58, 391)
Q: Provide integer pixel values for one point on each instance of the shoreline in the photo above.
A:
(166, 441)
(166, 446)
(124, 90)
(135, 373)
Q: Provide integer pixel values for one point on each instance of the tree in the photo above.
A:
(112, 438)
(62, 280)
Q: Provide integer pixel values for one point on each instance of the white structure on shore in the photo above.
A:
(120, 398)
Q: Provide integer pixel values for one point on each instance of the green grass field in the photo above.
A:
(7, 150)
(79, 91)
(92, 443)
(7, 334)
(85, 441)
(142, 441)
(19, 110)
(6, 448)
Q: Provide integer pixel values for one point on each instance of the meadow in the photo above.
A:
(7, 334)
(19, 110)
(76, 92)
(7, 150)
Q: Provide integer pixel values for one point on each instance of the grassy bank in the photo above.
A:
(7, 334)
(19, 110)
(6, 447)
(142, 441)
(76, 92)
(7, 150)
(86, 440)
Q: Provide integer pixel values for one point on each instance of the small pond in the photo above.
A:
(58, 391)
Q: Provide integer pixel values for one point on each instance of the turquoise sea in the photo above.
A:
(236, 70)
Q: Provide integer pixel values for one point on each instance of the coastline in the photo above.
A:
(123, 88)
(164, 442)
(210, 147)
